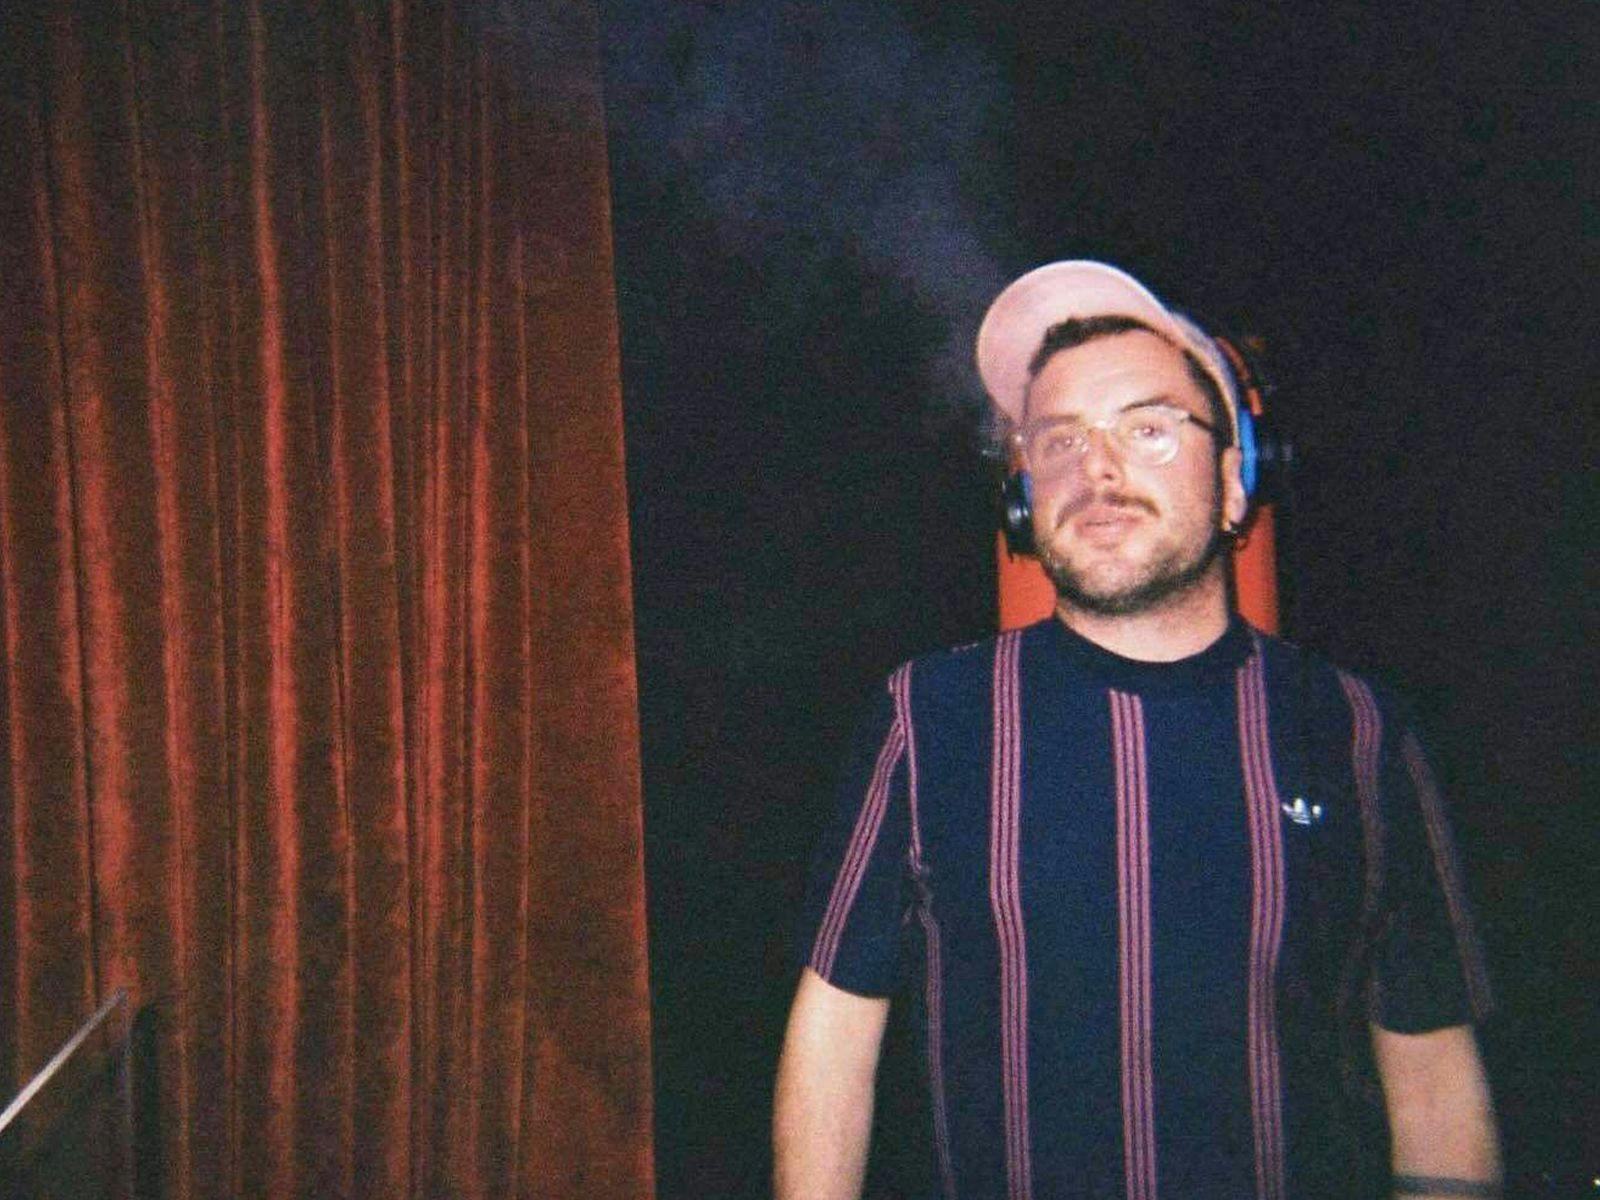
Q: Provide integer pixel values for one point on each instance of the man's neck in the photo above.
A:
(1186, 624)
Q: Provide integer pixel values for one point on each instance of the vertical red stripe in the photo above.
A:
(863, 839)
(1365, 736)
(1266, 925)
(1006, 903)
(1134, 945)
(933, 980)
(934, 998)
(1146, 1043)
(1448, 867)
(858, 852)
(900, 690)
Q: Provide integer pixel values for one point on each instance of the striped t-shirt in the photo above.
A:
(1143, 910)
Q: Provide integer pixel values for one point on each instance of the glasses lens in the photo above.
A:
(1055, 448)
(1149, 434)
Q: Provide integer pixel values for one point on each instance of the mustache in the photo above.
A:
(1105, 500)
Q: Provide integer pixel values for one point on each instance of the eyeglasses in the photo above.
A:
(1146, 433)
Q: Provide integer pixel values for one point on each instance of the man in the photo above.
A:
(1158, 866)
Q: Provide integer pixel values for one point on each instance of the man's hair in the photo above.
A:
(1076, 331)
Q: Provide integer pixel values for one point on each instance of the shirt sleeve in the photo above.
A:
(1427, 969)
(856, 896)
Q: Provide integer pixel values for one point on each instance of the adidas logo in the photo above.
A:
(1302, 813)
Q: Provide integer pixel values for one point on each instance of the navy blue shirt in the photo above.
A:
(1150, 907)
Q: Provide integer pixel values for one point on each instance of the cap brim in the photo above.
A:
(1018, 320)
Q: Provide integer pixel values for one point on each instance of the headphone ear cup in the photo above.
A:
(1249, 453)
(1265, 454)
(1016, 512)
(1266, 459)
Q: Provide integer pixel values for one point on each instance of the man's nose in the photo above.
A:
(1102, 454)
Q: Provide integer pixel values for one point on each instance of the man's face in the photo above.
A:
(1117, 537)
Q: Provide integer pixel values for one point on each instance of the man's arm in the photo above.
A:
(1441, 1122)
(822, 1114)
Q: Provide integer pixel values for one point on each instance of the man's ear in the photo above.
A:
(1235, 504)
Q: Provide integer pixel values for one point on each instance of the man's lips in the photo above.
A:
(1102, 514)
(1105, 526)
(1107, 516)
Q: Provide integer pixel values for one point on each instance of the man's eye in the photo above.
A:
(1057, 443)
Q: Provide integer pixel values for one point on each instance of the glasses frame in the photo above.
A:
(1023, 437)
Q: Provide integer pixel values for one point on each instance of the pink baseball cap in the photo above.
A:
(1014, 327)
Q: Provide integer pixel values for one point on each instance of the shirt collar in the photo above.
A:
(1217, 661)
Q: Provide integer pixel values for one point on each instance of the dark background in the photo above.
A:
(812, 209)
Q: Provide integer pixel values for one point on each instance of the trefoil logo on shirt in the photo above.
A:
(1302, 813)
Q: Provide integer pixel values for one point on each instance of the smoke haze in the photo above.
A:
(836, 127)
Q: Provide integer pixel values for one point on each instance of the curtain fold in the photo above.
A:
(318, 676)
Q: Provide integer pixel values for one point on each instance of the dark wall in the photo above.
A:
(799, 527)
(811, 211)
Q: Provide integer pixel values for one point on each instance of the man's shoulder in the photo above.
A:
(1281, 655)
(964, 659)
(962, 677)
(1299, 667)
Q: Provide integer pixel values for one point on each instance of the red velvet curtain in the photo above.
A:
(317, 670)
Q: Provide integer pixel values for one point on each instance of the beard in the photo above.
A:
(1168, 573)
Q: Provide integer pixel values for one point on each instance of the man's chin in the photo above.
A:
(1112, 593)
(1124, 602)
(1098, 575)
